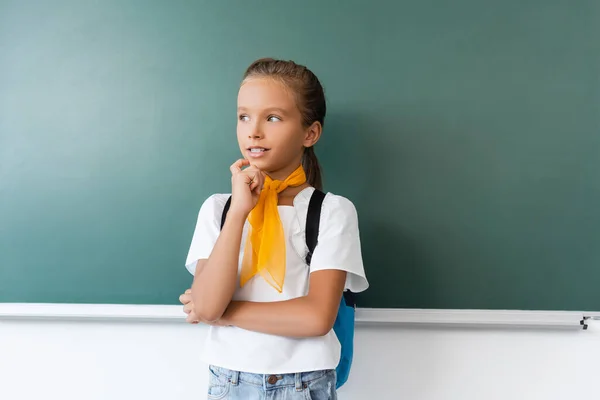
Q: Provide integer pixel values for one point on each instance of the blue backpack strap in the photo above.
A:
(344, 322)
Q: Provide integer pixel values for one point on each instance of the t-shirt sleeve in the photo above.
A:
(338, 245)
(208, 227)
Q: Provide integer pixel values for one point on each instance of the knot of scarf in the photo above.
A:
(264, 252)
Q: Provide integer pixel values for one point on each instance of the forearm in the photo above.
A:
(300, 317)
(214, 285)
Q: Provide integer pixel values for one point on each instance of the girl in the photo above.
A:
(271, 315)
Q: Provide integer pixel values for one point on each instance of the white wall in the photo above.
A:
(158, 361)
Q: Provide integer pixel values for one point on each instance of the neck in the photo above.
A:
(282, 174)
(286, 198)
(289, 193)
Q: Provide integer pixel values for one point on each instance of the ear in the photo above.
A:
(313, 134)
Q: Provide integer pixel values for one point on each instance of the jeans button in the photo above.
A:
(272, 379)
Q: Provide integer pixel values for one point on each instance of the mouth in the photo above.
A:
(255, 151)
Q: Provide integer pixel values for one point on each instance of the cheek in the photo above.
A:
(285, 136)
(292, 143)
(284, 132)
(241, 131)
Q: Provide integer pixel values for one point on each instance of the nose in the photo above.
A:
(255, 133)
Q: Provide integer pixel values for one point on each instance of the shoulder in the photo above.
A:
(338, 213)
(217, 199)
(339, 245)
(206, 232)
(333, 204)
(338, 216)
(213, 206)
(338, 207)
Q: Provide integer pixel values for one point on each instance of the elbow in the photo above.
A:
(208, 314)
(206, 311)
(322, 331)
(321, 325)
(320, 320)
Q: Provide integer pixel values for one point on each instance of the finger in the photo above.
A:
(250, 177)
(255, 183)
(262, 177)
(259, 183)
(185, 298)
(237, 166)
(191, 318)
(254, 168)
(189, 291)
(254, 172)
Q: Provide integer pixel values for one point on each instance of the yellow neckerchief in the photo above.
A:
(264, 252)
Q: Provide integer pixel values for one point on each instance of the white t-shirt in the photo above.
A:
(338, 248)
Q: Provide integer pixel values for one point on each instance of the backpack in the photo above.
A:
(344, 322)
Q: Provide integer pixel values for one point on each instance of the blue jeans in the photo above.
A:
(234, 385)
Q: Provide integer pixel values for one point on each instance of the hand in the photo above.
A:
(188, 308)
(246, 186)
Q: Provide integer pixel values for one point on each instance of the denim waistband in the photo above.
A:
(266, 381)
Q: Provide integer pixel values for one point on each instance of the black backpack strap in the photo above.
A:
(224, 215)
(350, 299)
(313, 219)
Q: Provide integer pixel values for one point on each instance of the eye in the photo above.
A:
(273, 118)
(244, 118)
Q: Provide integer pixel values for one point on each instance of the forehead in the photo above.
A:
(258, 93)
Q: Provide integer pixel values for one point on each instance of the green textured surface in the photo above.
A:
(467, 133)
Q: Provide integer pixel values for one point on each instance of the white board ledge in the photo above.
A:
(364, 316)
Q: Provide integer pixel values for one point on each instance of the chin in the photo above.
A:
(266, 166)
(260, 163)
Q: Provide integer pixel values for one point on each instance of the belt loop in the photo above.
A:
(235, 377)
(298, 379)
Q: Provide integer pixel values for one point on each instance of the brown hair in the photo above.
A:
(310, 100)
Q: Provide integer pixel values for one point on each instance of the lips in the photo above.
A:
(256, 151)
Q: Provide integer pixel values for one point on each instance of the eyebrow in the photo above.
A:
(275, 109)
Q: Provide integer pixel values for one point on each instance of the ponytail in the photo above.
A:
(312, 169)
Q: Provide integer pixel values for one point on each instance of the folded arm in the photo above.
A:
(310, 315)
(215, 277)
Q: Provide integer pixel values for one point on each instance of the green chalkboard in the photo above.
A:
(467, 133)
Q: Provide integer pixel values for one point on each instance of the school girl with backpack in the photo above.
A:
(277, 261)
